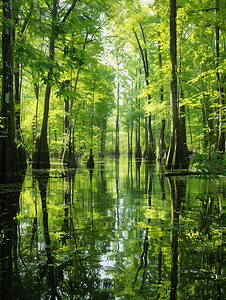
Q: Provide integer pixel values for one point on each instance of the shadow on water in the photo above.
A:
(138, 165)
(161, 176)
(142, 268)
(178, 195)
(149, 172)
(9, 208)
(51, 270)
(49, 267)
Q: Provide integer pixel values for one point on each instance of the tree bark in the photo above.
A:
(138, 151)
(66, 128)
(161, 142)
(117, 152)
(149, 153)
(103, 126)
(17, 97)
(41, 157)
(221, 132)
(10, 170)
(176, 158)
(206, 125)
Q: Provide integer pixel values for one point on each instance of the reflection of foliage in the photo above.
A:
(76, 225)
(98, 238)
(203, 246)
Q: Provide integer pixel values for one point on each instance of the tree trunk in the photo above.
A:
(90, 162)
(176, 158)
(128, 142)
(21, 149)
(161, 142)
(66, 111)
(206, 125)
(189, 124)
(183, 125)
(149, 153)
(10, 170)
(138, 152)
(131, 138)
(66, 128)
(18, 84)
(221, 133)
(117, 152)
(41, 157)
(102, 135)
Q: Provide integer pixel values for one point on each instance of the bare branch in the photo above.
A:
(69, 10)
(142, 55)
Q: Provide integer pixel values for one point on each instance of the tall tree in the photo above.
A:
(18, 34)
(161, 141)
(149, 143)
(176, 158)
(221, 133)
(138, 151)
(117, 152)
(10, 170)
(41, 158)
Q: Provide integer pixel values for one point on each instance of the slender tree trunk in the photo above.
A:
(221, 133)
(161, 142)
(102, 135)
(176, 158)
(189, 124)
(206, 126)
(90, 162)
(41, 157)
(128, 142)
(18, 85)
(138, 152)
(131, 138)
(72, 99)
(149, 153)
(66, 128)
(117, 152)
(36, 88)
(66, 109)
(21, 149)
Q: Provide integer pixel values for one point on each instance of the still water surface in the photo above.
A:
(126, 232)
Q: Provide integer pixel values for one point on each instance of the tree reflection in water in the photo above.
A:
(124, 231)
(9, 273)
(178, 193)
(52, 281)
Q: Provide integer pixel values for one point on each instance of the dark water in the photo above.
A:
(126, 232)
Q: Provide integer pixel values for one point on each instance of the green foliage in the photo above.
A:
(101, 37)
(212, 166)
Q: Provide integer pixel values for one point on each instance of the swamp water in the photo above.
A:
(124, 232)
